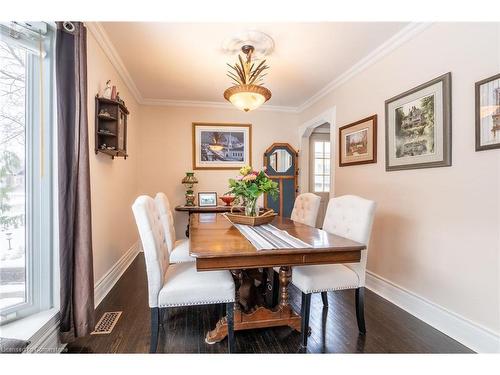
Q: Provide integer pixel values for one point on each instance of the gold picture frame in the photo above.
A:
(358, 142)
(221, 146)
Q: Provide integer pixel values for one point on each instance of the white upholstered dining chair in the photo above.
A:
(305, 209)
(351, 217)
(178, 249)
(171, 285)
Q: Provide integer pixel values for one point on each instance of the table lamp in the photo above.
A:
(189, 180)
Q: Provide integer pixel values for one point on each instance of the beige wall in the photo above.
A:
(166, 148)
(114, 182)
(436, 231)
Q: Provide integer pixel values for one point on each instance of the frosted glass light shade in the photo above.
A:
(247, 97)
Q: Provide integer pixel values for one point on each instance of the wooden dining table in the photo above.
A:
(218, 245)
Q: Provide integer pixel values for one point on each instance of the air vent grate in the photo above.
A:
(107, 322)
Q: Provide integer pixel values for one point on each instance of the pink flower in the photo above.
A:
(239, 177)
(250, 177)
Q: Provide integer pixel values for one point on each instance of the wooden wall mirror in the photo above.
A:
(281, 162)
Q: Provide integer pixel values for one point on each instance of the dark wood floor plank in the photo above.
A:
(334, 329)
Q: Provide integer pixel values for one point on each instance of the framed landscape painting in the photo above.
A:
(418, 126)
(221, 146)
(358, 142)
(488, 113)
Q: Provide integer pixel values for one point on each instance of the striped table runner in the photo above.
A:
(267, 236)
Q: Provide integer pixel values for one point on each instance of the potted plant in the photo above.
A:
(249, 185)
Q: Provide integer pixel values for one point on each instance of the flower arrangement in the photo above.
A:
(249, 185)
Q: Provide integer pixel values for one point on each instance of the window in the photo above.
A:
(25, 171)
(321, 173)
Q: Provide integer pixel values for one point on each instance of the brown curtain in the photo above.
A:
(75, 233)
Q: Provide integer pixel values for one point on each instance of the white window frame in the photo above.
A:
(39, 222)
(326, 177)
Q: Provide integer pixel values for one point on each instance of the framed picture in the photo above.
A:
(418, 127)
(221, 146)
(488, 113)
(358, 142)
(207, 199)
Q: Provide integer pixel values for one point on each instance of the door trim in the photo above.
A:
(305, 130)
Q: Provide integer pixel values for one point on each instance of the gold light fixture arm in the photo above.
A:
(248, 94)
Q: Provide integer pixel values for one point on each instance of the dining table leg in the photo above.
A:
(260, 317)
(285, 277)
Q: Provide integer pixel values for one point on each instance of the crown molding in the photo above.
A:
(405, 34)
(207, 104)
(114, 57)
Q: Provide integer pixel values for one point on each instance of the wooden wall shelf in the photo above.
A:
(110, 128)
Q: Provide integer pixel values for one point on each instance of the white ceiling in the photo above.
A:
(185, 62)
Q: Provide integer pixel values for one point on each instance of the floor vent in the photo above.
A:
(107, 322)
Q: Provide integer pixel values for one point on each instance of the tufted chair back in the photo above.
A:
(153, 241)
(305, 209)
(167, 219)
(351, 217)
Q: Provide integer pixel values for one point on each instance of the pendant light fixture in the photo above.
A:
(248, 93)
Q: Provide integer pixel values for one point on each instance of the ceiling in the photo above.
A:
(185, 62)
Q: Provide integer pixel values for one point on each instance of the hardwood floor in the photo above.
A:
(334, 330)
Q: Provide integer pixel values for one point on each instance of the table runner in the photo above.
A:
(267, 236)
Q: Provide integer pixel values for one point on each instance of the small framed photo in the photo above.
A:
(358, 142)
(418, 127)
(207, 199)
(488, 113)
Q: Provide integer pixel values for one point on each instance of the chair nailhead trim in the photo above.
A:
(198, 303)
(331, 289)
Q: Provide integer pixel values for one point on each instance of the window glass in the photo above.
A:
(26, 179)
(318, 184)
(12, 175)
(318, 149)
(327, 149)
(321, 166)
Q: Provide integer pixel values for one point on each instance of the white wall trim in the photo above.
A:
(106, 283)
(207, 104)
(405, 34)
(114, 57)
(470, 334)
(305, 130)
(46, 339)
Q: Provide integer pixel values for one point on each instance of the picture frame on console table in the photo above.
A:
(207, 199)
(488, 113)
(358, 142)
(418, 127)
(221, 146)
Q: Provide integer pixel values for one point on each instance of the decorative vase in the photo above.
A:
(227, 199)
(107, 90)
(251, 206)
(189, 180)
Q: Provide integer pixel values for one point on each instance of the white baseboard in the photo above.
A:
(106, 283)
(470, 334)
